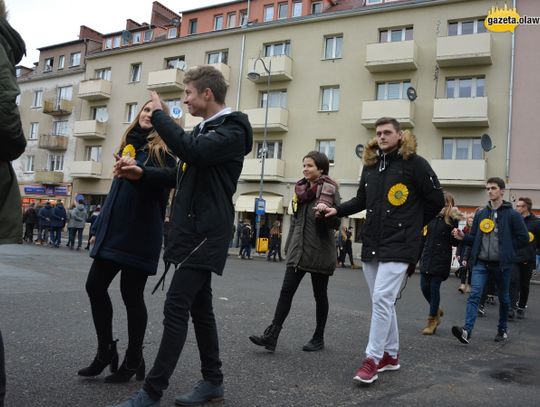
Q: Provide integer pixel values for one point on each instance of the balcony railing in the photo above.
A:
(461, 112)
(57, 107)
(274, 169)
(48, 177)
(166, 80)
(401, 109)
(391, 56)
(95, 89)
(281, 69)
(86, 169)
(278, 119)
(459, 50)
(53, 142)
(90, 129)
(460, 172)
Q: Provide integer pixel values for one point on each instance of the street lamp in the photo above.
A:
(253, 75)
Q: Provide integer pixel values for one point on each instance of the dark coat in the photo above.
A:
(44, 215)
(212, 161)
(392, 232)
(129, 228)
(30, 216)
(528, 254)
(246, 235)
(59, 216)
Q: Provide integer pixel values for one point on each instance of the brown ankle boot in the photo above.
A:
(431, 326)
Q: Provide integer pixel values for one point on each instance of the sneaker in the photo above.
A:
(461, 288)
(501, 336)
(368, 372)
(140, 399)
(481, 311)
(202, 393)
(520, 313)
(388, 363)
(461, 334)
(512, 314)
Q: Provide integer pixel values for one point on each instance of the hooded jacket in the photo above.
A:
(400, 193)
(77, 217)
(211, 163)
(45, 215)
(59, 216)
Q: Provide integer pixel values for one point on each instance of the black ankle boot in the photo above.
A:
(314, 344)
(101, 361)
(127, 370)
(268, 339)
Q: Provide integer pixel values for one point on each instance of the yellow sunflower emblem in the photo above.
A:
(424, 231)
(398, 194)
(129, 151)
(294, 203)
(184, 167)
(531, 237)
(487, 225)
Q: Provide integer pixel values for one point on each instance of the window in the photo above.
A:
(92, 153)
(148, 34)
(392, 90)
(18, 72)
(34, 128)
(333, 47)
(283, 10)
(98, 111)
(175, 62)
(329, 99)
(60, 128)
(193, 26)
(61, 61)
(218, 22)
(215, 57)
(108, 43)
(296, 9)
(135, 73)
(131, 112)
(327, 147)
(56, 162)
(396, 34)
(278, 98)
(75, 59)
(466, 27)
(48, 67)
(465, 87)
(369, 2)
(268, 12)
(137, 37)
(64, 93)
(104, 73)
(231, 20)
(173, 31)
(29, 164)
(243, 18)
(462, 149)
(173, 103)
(116, 42)
(273, 149)
(38, 98)
(316, 7)
(277, 48)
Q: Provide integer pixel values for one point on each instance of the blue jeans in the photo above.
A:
(431, 288)
(479, 278)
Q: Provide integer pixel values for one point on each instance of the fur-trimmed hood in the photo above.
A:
(406, 149)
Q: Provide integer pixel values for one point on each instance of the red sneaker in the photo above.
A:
(388, 363)
(368, 372)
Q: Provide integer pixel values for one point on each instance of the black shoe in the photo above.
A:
(204, 392)
(125, 373)
(481, 311)
(512, 315)
(520, 313)
(268, 339)
(313, 345)
(101, 361)
(501, 336)
(461, 333)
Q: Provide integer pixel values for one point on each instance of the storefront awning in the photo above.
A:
(246, 203)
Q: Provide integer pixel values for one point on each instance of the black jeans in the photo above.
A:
(519, 284)
(75, 232)
(190, 292)
(431, 289)
(132, 282)
(29, 232)
(347, 250)
(465, 275)
(291, 281)
(2, 372)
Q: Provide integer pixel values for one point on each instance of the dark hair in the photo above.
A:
(320, 159)
(388, 120)
(527, 201)
(496, 180)
(207, 77)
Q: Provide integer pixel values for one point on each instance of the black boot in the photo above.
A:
(314, 344)
(268, 339)
(101, 361)
(127, 370)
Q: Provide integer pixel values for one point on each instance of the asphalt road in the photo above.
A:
(48, 335)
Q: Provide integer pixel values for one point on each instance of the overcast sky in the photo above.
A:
(48, 22)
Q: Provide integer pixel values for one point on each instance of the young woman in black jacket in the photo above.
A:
(132, 210)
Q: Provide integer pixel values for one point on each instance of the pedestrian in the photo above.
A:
(131, 210)
(347, 247)
(92, 219)
(77, 220)
(400, 193)
(245, 239)
(71, 235)
(29, 219)
(436, 259)
(523, 269)
(497, 232)
(44, 215)
(202, 216)
(58, 221)
(12, 49)
(309, 248)
(463, 252)
(238, 233)
(275, 242)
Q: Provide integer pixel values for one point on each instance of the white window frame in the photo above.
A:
(55, 162)
(60, 128)
(116, 41)
(268, 13)
(222, 57)
(131, 111)
(218, 22)
(471, 141)
(135, 72)
(29, 164)
(108, 43)
(137, 37)
(335, 51)
(477, 22)
(316, 7)
(48, 64)
(34, 130)
(403, 30)
(37, 100)
(270, 48)
(274, 149)
(402, 89)
(93, 153)
(283, 6)
(328, 147)
(104, 73)
(61, 61)
(173, 103)
(75, 59)
(333, 94)
(474, 87)
(64, 93)
(296, 9)
(94, 111)
(243, 18)
(174, 62)
(148, 35)
(275, 96)
(231, 20)
(172, 32)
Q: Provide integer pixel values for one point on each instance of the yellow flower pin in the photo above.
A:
(294, 203)
(531, 237)
(184, 167)
(129, 151)
(398, 194)
(487, 225)
(424, 231)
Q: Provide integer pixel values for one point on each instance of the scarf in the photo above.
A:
(324, 189)
(138, 136)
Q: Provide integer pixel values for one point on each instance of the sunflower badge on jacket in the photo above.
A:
(129, 151)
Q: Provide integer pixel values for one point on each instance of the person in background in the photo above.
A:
(462, 253)
(275, 242)
(92, 219)
(245, 239)
(29, 219)
(69, 223)
(58, 221)
(347, 247)
(77, 220)
(44, 217)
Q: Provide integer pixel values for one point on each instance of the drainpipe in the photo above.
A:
(510, 95)
(241, 70)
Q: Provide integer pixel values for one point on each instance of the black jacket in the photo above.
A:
(401, 194)
(30, 216)
(211, 163)
(528, 253)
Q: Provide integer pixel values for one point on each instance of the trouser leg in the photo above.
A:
(291, 281)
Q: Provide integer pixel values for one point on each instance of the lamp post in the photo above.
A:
(253, 75)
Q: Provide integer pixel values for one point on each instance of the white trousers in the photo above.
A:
(384, 280)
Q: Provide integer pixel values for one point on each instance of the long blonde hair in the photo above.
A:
(450, 211)
(157, 148)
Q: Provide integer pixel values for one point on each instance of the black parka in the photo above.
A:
(528, 254)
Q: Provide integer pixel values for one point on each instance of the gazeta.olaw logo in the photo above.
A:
(502, 19)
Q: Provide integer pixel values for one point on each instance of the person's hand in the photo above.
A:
(126, 167)
(322, 208)
(121, 162)
(92, 240)
(458, 234)
(411, 269)
(155, 101)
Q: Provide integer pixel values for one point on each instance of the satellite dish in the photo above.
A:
(411, 93)
(359, 150)
(175, 21)
(126, 36)
(486, 143)
(176, 112)
(181, 65)
(102, 116)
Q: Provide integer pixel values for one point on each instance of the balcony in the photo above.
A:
(401, 109)
(281, 69)
(460, 172)
(274, 169)
(224, 69)
(86, 169)
(459, 50)
(166, 80)
(57, 107)
(95, 89)
(391, 56)
(89, 130)
(49, 177)
(461, 112)
(52, 142)
(278, 119)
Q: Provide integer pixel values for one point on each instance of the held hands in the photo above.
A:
(458, 234)
(126, 167)
(323, 210)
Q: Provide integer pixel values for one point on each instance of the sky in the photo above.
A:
(47, 22)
